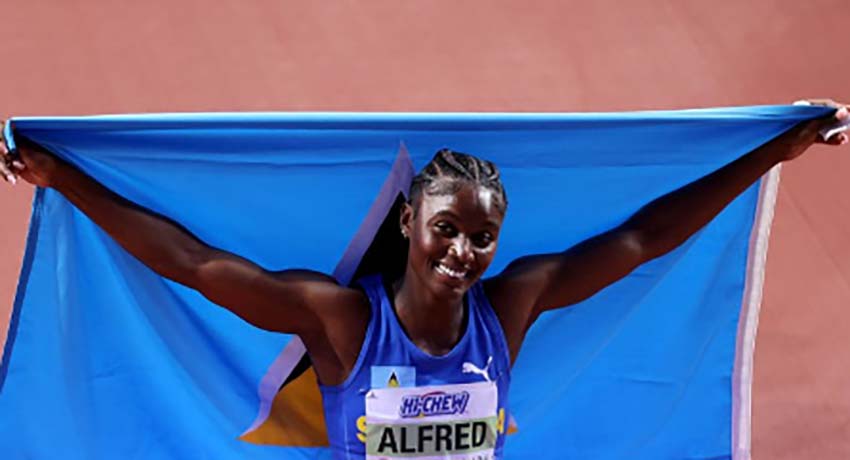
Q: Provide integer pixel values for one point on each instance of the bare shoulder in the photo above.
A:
(513, 306)
(339, 316)
(290, 301)
(322, 294)
(511, 291)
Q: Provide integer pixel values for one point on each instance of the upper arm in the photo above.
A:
(533, 284)
(291, 301)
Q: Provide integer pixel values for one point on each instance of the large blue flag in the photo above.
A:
(105, 359)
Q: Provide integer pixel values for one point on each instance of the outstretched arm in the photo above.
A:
(290, 301)
(534, 284)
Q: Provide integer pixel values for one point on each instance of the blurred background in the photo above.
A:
(75, 57)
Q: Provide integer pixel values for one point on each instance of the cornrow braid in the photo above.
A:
(446, 172)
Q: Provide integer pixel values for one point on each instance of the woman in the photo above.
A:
(419, 365)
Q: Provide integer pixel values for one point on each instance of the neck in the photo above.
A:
(434, 324)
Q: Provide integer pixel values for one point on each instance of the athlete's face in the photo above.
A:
(453, 237)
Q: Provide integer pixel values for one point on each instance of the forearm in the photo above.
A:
(158, 242)
(670, 220)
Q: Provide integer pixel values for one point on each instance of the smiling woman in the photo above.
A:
(457, 204)
(418, 364)
(430, 326)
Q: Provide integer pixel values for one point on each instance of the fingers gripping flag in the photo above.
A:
(104, 358)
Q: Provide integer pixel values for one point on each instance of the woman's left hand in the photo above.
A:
(842, 114)
(798, 139)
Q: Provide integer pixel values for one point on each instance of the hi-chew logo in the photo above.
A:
(434, 403)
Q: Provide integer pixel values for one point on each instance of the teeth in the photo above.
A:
(449, 272)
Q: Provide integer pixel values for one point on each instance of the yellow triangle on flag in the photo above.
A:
(296, 418)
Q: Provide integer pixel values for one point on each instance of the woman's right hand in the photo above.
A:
(30, 162)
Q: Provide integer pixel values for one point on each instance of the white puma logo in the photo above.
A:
(469, 368)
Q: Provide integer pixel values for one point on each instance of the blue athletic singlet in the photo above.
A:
(422, 406)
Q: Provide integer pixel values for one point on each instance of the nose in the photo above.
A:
(461, 249)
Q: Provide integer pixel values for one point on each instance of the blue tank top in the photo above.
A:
(389, 359)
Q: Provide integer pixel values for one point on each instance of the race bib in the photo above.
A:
(456, 422)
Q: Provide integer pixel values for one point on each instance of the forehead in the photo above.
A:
(473, 204)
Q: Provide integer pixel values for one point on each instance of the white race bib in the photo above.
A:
(457, 422)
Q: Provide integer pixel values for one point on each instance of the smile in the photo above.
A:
(456, 274)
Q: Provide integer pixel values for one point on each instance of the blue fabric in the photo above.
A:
(105, 359)
(386, 344)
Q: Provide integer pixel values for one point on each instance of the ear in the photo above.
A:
(406, 219)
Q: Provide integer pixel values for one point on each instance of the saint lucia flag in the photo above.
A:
(104, 359)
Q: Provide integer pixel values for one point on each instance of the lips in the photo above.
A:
(453, 273)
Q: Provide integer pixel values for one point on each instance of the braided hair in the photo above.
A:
(447, 172)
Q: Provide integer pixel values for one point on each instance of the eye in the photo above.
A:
(445, 228)
(482, 240)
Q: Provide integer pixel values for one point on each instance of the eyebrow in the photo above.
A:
(447, 213)
(490, 223)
